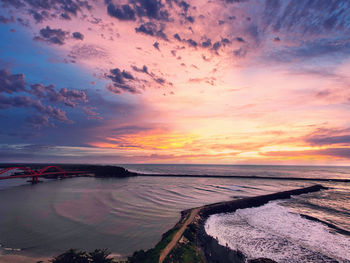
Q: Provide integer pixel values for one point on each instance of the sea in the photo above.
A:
(128, 214)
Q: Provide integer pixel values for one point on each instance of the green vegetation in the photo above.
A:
(190, 232)
(182, 252)
(185, 253)
(186, 250)
(152, 255)
(74, 256)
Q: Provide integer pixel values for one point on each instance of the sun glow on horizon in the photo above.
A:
(207, 82)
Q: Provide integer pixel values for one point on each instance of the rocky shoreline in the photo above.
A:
(209, 247)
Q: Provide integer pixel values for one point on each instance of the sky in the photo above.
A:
(172, 81)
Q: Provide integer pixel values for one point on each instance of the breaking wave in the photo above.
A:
(272, 231)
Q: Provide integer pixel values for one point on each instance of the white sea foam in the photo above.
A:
(274, 232)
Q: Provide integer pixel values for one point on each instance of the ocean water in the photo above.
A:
(312, 227)
(322, 172)
(124, 215)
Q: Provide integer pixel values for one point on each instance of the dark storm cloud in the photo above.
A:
(185, 7)
(14, 3)
(155, 78)
(15, 84)
(39, 16)
(121, 81)
(118, 76)
(221, 22)
(206, 43)
(38, 90)
(78, 35)
(23, 22)
(144, 69)
(152, 9)
(44, 4)
(70, 97)
(51, 35)
(156, 45)
(28, 102)
(52, 112)
(120, 88)
(160, 81)
(65, 16)
(222, 43)
(216, 45)
(177, 37)
(192, 43)
(152, 29)
(124, 12)
(10, 83)
(38, 121)
(5, 20)
(190, 19)
(44, 9)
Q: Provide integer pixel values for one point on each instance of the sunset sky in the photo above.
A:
(172, 81)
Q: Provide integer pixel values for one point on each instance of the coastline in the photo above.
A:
(193, 242)
(246, 177)
(209, 247)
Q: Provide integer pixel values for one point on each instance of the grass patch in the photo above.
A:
(152, 255)
(185, 253)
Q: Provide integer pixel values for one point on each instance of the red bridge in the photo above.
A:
(36, 173)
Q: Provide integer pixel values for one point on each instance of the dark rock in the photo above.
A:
(210, 247)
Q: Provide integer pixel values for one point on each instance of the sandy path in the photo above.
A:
(178, 235)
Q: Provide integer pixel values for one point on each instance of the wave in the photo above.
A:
(274, 232)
